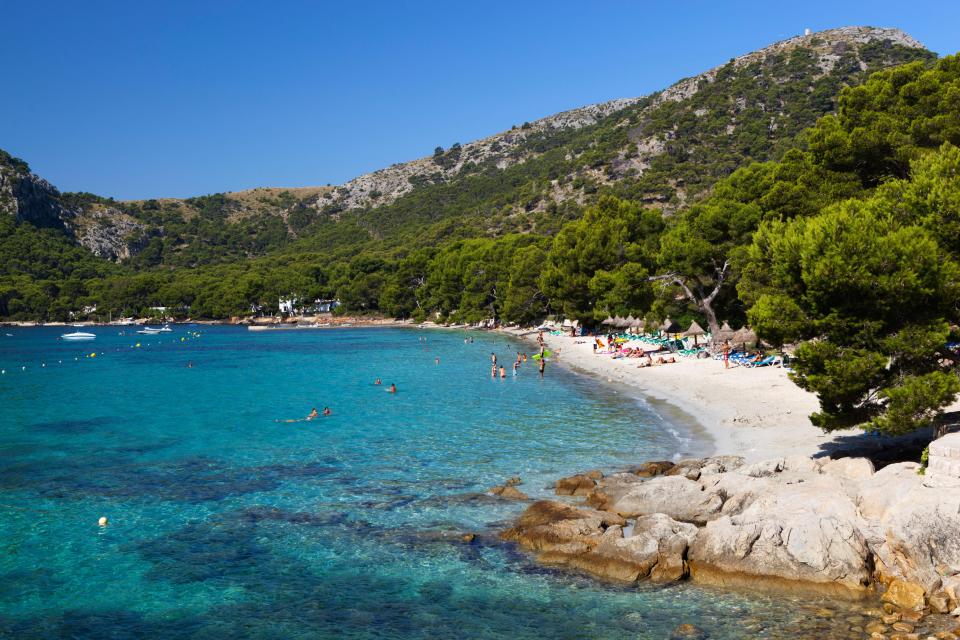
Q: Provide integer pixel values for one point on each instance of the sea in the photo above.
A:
(226, 521)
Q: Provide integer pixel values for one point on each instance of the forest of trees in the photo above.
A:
(848, 246)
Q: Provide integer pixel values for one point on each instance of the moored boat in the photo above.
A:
(78, 335)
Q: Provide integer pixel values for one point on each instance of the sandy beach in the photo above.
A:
(754, 412)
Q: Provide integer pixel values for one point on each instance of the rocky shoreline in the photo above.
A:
(888, 538)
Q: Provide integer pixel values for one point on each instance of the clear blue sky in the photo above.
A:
(167, 98)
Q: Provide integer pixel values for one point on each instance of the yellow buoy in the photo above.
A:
(103, 521)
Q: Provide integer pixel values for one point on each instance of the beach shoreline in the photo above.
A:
(758, 413)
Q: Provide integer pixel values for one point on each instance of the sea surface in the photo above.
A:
(225, 523)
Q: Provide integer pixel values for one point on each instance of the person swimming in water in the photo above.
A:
(493, 371)
(543, 364)
(378, 381)
(516, 365)
(313, 414)
(326, 411)
(503, 372)
(392, 389)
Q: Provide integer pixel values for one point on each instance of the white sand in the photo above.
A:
(754, 412)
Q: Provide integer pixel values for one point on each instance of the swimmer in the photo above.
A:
(543, 364)
(524, 358)
(378, 381)
(326, 411)
(493, 358)
(310, 416)
(516, 365)
(503, 372)
(493, 371)
(437, 360)
(190, 365)
(392, 389)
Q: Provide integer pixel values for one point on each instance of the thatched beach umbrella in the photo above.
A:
(744, 336)
(669, 326)
(725, 333)
(695, 331)
(628, 322)
(609, 321)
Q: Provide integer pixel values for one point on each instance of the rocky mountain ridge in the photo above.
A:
(663, 150)
(507, 148)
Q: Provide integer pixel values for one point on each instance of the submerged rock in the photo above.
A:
(578, 485)
(509, 492)
(906, 595)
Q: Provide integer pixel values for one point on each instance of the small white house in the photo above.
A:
(287, 305)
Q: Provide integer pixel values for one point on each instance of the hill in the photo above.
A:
(663, 151)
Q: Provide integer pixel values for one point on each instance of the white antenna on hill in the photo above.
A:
(806, 32)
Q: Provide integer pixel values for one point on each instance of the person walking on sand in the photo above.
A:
(726, 354)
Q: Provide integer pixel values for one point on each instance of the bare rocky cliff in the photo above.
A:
(106, 231)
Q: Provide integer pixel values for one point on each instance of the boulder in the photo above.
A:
(762, 469)
(655, 550)
(801, 464)
(594, 542)
(578, 485)
(807, 534)
(886, 487)
(553, 526)
(919, 537)
(509, 492)
(676, 496)
(906, 595)
(651, 469)
(850, 468)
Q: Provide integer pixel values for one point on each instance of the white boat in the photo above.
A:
(166, 329)
(150, 331)
(78, 335)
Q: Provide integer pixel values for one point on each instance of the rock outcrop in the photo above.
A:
(596, 542)
(836, 527)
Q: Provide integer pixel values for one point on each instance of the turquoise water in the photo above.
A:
(226, 523)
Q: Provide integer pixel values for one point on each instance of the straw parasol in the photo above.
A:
(628, 322)
(609, 321)
(694, 331)
(669, 326)
(725, 333)
(744, 336)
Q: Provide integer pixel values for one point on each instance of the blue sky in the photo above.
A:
(153, 99)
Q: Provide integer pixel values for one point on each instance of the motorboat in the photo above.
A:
(151, 331)
(78, 335)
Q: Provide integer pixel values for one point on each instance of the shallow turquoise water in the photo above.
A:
(225, 523)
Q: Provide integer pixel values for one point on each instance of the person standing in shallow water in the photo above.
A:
(543, 364)
(503, 372)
